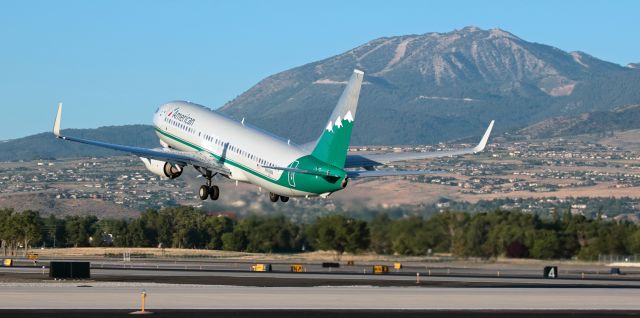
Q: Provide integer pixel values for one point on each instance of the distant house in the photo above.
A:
(227, 214)
(578, 209)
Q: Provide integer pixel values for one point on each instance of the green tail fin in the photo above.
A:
(332, 145)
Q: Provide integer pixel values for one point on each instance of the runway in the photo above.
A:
(200, 288)
(283, 279)
(102, 295)
(221, 313)
(212, 271)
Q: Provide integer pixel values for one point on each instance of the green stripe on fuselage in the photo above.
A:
(301, 182)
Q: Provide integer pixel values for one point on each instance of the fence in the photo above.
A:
(618, 258)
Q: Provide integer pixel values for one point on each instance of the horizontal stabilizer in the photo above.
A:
(311, 172)
(387, 173)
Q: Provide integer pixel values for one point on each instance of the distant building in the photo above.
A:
(578, 209)
(219, 214)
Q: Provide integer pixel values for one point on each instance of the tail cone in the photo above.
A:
(344, 182)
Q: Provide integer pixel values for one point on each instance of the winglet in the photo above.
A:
(485, 138)
(56, 124)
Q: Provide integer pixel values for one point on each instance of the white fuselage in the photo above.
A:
(242, 149)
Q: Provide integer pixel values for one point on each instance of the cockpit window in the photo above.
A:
(157, 110)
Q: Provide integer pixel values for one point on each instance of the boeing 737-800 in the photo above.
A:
(191, 134)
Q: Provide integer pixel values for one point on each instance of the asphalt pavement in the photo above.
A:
(321, 313)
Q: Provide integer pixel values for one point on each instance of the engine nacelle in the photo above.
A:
(162, 168)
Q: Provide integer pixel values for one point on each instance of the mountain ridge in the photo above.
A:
(418, 89)
(597, 122)
(46, 146)
(440, 86)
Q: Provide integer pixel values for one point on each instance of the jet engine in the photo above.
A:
(162, 168)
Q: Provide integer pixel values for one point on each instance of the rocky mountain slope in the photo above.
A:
(418, 89)
(599, 123)
(437, 87)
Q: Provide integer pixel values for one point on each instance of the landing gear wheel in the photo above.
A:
(214, 192)
(204, 192)
(284, 199)
(273, 197)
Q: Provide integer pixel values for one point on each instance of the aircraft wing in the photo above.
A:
(372, 160)
(181, 158)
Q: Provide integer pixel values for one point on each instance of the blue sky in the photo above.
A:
(114, 62)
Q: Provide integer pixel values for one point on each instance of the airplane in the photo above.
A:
(194, 135)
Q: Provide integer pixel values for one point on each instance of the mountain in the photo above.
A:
(438, 86)
(418, 89)
(598, 122)
(46, 146)
(634, 65)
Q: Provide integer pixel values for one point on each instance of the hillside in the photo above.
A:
(437, 87)
(598, 122)
(46, 146)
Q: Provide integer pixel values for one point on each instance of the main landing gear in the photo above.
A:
(274, 197)
(209, 190)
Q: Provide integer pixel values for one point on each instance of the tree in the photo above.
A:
(475, 235)
(136, 234)
(53, 231)
(78, 230)
(29, 226)
(215, 228)
(545, 245)
(408, 236)
(114, 230)
(186, 228)
(381, 234)
(340, 234)
(516, 249)
(164, 228)
(634, 242)
(6, 229)
(455, 224)
(234, 241)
